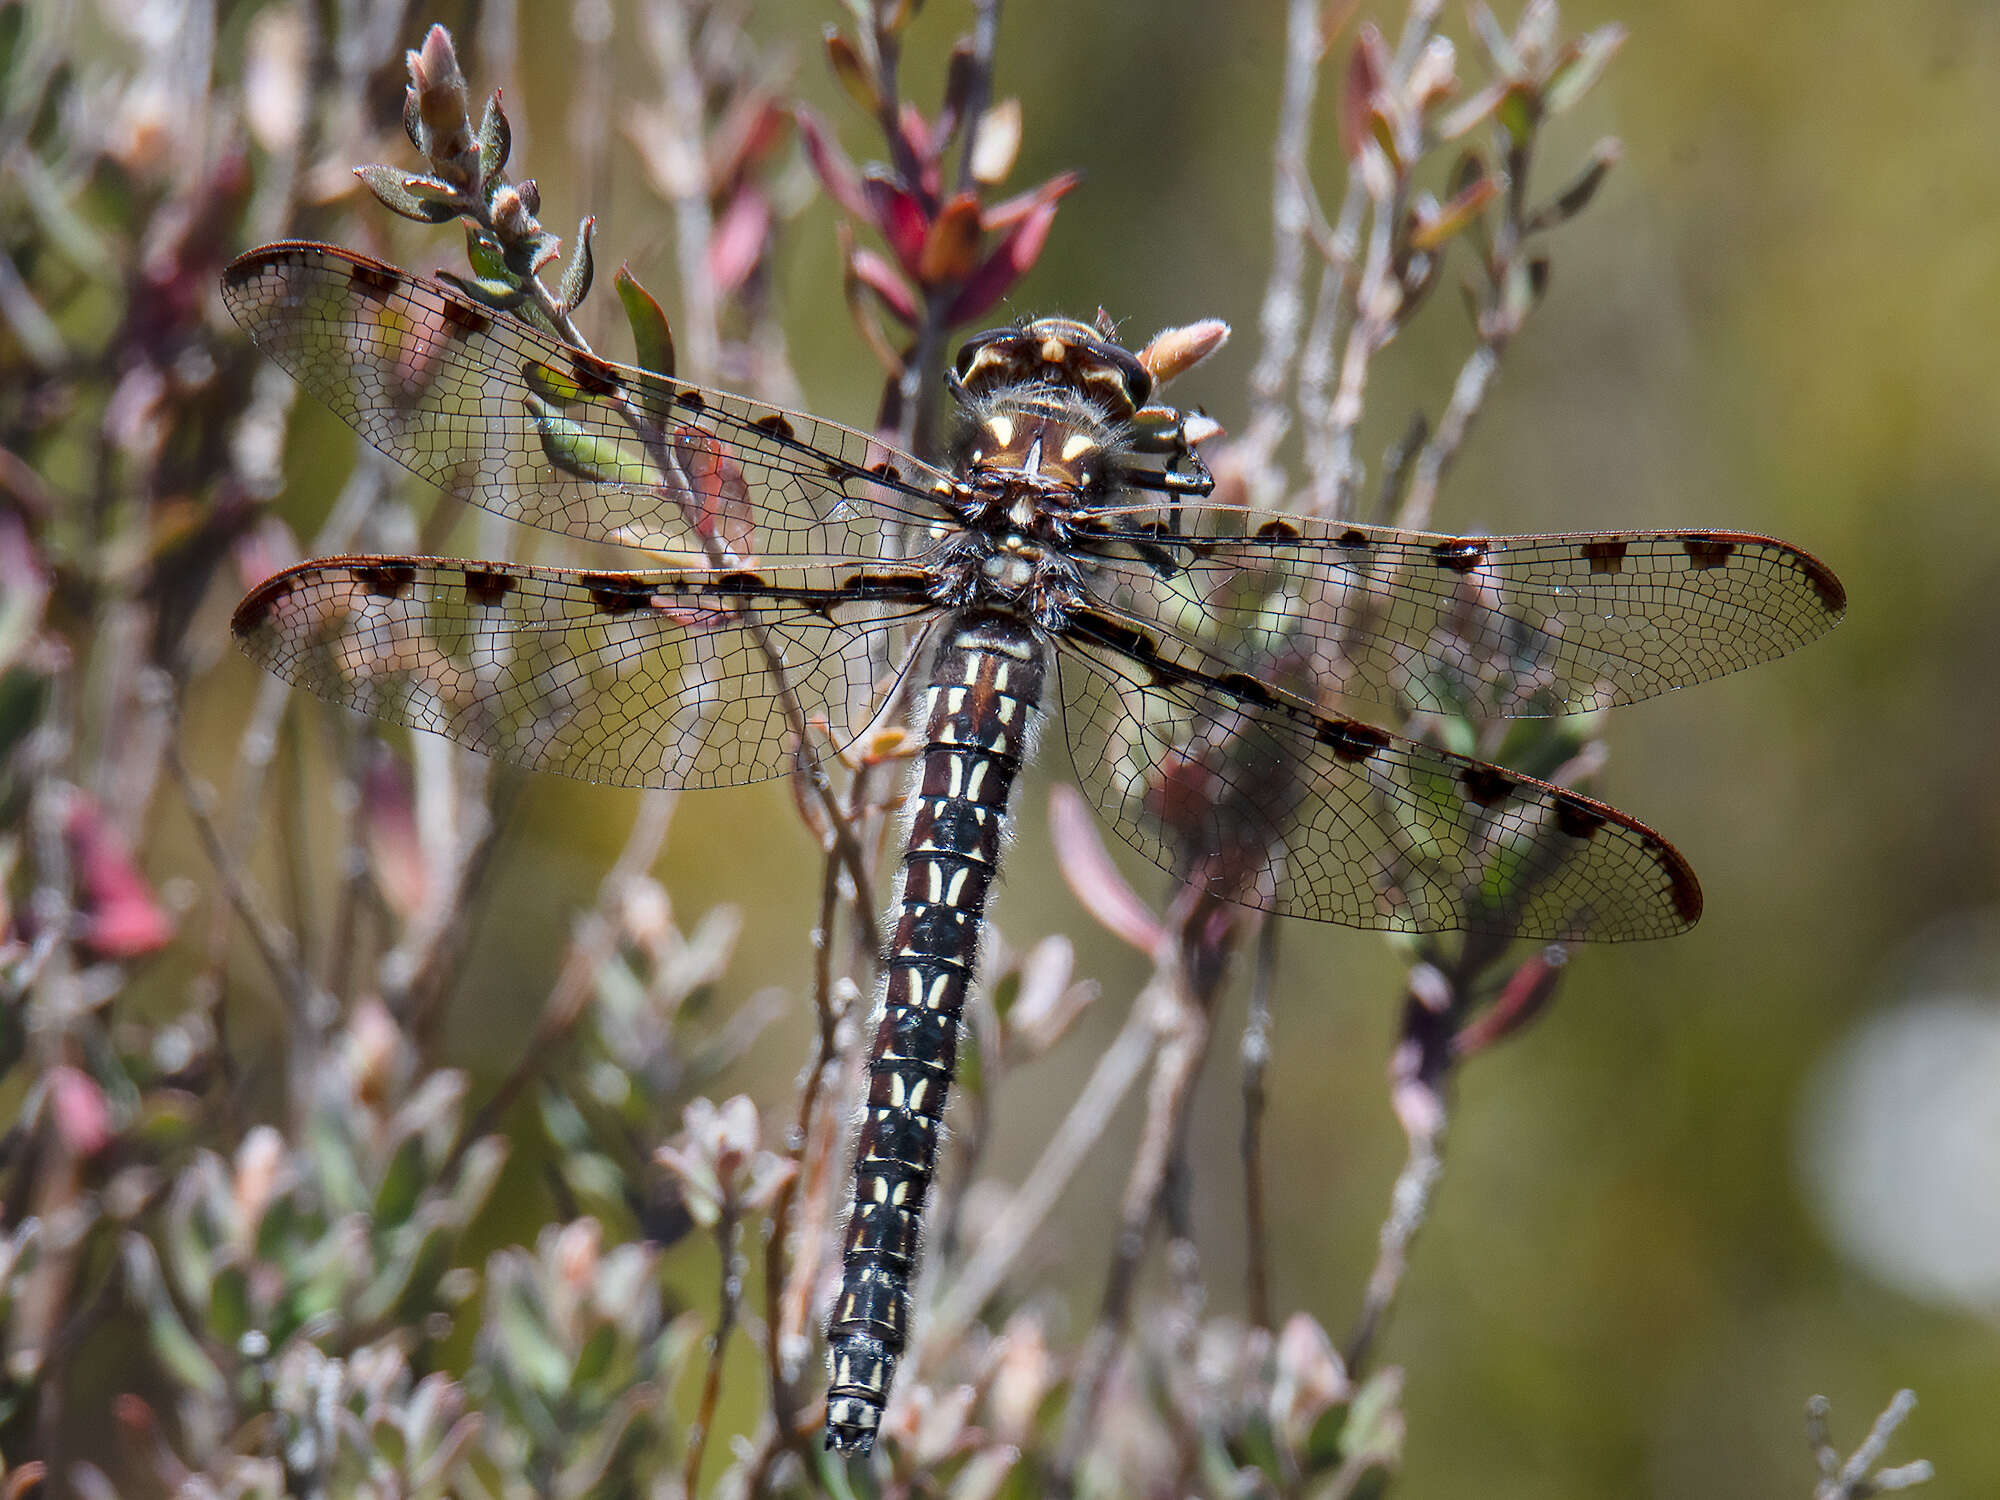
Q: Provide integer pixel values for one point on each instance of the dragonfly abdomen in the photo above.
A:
(984, 695)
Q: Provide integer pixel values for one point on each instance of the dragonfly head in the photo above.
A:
(1058, 352)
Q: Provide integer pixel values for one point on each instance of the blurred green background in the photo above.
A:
(1780, 315)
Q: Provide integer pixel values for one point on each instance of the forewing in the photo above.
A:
(638, 679)
(504, 416)
(1235, 788)
(1504, 626)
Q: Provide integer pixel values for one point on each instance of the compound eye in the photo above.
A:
(1138, 382)
(969, 350)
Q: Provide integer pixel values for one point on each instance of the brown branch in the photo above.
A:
(728, 1232)
(1185, 991)
(1256, 1055)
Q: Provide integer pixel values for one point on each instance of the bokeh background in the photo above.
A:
(1723, 1172)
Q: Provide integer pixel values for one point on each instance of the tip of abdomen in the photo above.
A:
(851, 1422)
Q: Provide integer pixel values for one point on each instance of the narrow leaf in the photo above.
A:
(577, 450)
(1442, 224)
(652, 334)
(391, 185)
(997, 143)
(852, 71)
(1573, 199)
(496, 143)
(581, 269)
(951, 245)
(831, 165)
(1016, 253)
(496, 292)
(1583, 64)
(1367, 66)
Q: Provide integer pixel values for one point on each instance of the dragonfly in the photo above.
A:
(1061, 571)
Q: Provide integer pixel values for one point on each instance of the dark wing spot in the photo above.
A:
(1686, 889)
(616, 594)
(1247, 688)
(1351, 740)
(1121, 637)
(256, 606)
(692, 400)
(1576, 817)
(743, 580)
(385, 580)
(484, 586)
(1708, 552)
(1352, 539)
(374, 281)
(594, 375)
(777, 426)
(888, 473)
(1832, 592)
(1459, 556)
(885, 585)
(1605, 557)
(1487, 785)
(1279, 531)
(834, 469)
(464, 317)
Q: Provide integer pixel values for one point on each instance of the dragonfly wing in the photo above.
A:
(1230, 785)
(1502, 626)
(495, 411)
(638, 679)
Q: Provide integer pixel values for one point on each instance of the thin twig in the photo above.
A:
(728, 1232)
(787, 1275)
(1176, 1065)
(589, 949)
(985, 37)
(1281, 314)
(1419, 1072)
(1256, 1055)
(700, 339)
(1852, 1478)
(1468, 393)
(274, 945)
(1072, 1144)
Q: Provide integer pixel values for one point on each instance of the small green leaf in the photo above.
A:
(485, 254)
(1374, 1428)
(1499, 46)
(402, 1185)
(594, 1358)
(1583, 63)
(173, 1345)
(853, 72)
(229, 1304)
(1445, 223)
(584, 452)
(1321, 1450)
(652, 335)
(397, 192)
(501, 293)
(478, 1171)
(496, 143)
(418, 1255)
(13, 26)
(414, 126)
(1574, 198)
(586, 1473)
(1006, 990)
(581, 270)
(1517, 112)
